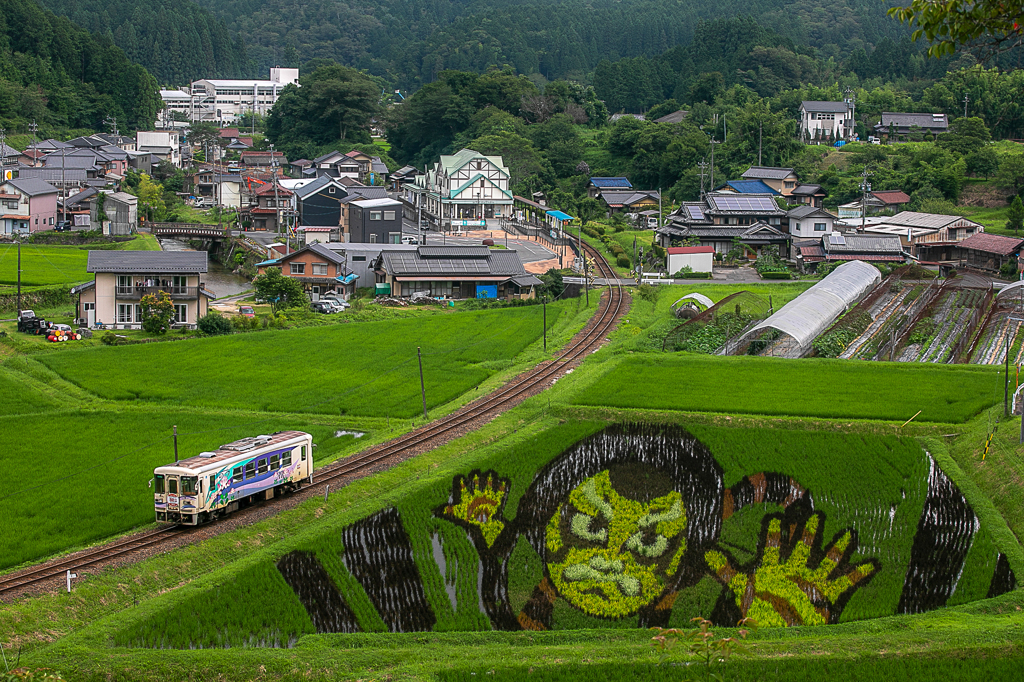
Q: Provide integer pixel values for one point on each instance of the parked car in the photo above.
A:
(409, 239)
(246, 311)
(323, 307)
(336, 305)
(335, 297)
(62, 226)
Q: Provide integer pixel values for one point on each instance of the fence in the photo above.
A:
(957, 354)
(539, 233)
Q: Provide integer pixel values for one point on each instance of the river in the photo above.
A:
(218, 278)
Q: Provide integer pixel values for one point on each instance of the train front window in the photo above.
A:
(172, 486)
(188, 485)
(158, 484)
(303, 453)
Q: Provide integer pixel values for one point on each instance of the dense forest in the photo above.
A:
(411, 42)
(59, 75)
(177, 41)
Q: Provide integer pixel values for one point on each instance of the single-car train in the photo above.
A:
(203, 488)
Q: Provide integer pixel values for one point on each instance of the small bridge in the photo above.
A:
(192, 230)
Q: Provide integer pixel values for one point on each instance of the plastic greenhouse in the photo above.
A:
(790, 332)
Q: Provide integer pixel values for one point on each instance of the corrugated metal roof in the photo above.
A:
(32, 186)
(767, 173)
(992, 243)
(465, 261)
(155, 262)
(861, 243)
(454, 251)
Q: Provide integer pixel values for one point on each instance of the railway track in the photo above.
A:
(608, 313)
(59, 567)
(499, 400)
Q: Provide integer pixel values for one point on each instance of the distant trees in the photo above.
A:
(334, 105)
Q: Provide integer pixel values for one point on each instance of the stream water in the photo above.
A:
(218, 278)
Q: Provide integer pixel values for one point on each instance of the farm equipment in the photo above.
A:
(30, 324)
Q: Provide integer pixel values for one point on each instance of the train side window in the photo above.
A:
(275, 462)
(172, 486)
(263, 466)
(236, 474)
(158, 484)
(303, 453)
(250, 470)
(286, 458)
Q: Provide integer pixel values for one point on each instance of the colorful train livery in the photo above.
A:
(199, 489)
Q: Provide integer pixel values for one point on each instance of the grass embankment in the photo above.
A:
(366, 369)
(839, 389)
(89, 468)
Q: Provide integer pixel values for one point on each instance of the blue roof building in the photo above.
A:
(597, 185)
(747, 187)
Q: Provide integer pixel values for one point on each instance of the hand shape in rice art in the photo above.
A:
(627, 518)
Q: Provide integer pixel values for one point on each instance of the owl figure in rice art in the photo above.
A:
(627, 518)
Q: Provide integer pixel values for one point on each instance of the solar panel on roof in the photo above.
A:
(696, 212)
(838, 239)
(744, 204)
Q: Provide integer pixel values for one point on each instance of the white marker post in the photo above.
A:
(70, 576)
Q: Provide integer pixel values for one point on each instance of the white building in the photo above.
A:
(164, 144)
(463, 190)
(224, 101)
(808, 222)
(820, 120)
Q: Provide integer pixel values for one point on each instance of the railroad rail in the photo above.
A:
(59, 567)
(608, 312)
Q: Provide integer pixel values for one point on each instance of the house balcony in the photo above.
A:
(136, 293)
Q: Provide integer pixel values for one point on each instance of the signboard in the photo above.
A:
(469, 223)
(487, 291)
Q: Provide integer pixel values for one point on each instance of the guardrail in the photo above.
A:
(541, 233)
(187, 230)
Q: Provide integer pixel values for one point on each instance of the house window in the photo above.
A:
(124, 312)
(374, 215)
(330, 190)
(51, 220)
(320, 269)
(389, 215)
(181, 313)
(298, 268)
(358, 259)
(373, 239)
(819, 227)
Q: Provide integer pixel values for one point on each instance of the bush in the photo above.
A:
(691, 275)
(244, 324)
(1009, 269)
(212, 324)
(776, 275)
(623, 261)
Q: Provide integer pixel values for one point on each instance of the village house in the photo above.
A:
(782, 180)
(826, 121)
(878, 202)
(270, 208)
(355, 193)
(31, 199)
(319, 269)
(837, 247)
(747, 187)
(465, 189)
(927, 236)
(375, 221)
(988, 252)
(455, 272)
(165, 144)
(122, 278)
(217, 185)
(724, 219)
(269, 162)
(598, 185)
(629, 201)
(318, 203)
(810, 222)
(121, 211)
(899, 126)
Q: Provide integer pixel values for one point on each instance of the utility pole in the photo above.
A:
(659, 208)
(3, 156)
(33, 128)
(419, 225)
(175, 433)
(64, 189)
(760, 137)
(277, 208)
(423, 388)
(544, 302)
(703, 166)
(1006, 380)
(18, 239)
(865, 187)
(966, 100)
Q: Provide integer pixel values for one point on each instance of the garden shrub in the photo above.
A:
(623, 261)
(214, 323)
(776, 275)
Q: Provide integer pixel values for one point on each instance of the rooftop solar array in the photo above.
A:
(838, 239)
(745, 204)
(696, 212)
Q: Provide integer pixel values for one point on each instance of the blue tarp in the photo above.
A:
(558, 215)
(348, 279)
(487, 291)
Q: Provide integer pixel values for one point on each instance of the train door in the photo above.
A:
(173, 498)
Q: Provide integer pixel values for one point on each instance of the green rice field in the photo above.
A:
(828, 389)
(43, 265)
(17, 397)
(367, 369)
(89, 473)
